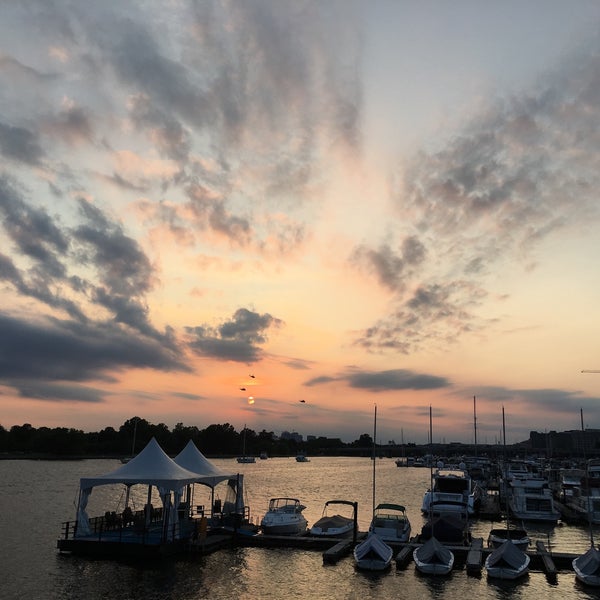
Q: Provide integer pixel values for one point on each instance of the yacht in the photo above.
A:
(452, 490)
(284, 517)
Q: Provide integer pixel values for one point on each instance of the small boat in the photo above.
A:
(518, 537)
(433, 558)
(302, 458)
(373, 554)
(587, 567)
(284, 517)
(390, 523)
(335, 525)
(245, 459)
(507, 562)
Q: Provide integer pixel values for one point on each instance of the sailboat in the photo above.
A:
(244, 458)
(126, 459)
(508, 560)
(432, 557)
(373, 554)
(587, 565)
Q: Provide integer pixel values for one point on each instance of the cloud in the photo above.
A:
(20, 144)
(386, 380)
(237, 340)
(518, 172)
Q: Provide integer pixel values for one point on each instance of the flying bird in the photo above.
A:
(252, 376)
(302, 400)
(243, 389)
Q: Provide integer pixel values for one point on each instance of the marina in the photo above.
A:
(326, 564)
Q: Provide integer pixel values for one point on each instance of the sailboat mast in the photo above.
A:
(374, 457)
(475, 422)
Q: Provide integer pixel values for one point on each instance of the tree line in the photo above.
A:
(214, 440)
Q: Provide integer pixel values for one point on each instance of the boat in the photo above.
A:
(433, 558)
(585, 497)
(284, 517)
(587, 567)
(372, 554)
(390, 523)
(335, 525)
(507, 562)
(519, 538)
(452, 490)
(302, 458)
(245, 459)
(448, 528)
(530, 499)
(126, 459)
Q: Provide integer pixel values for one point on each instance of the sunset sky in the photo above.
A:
(347, 203)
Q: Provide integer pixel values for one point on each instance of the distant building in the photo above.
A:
(575, 441)
(287, 435)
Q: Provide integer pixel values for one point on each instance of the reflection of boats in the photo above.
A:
(373, 554)
(284, 517)
(452, 490)
(335, 525)
(244, 458)
(390, 523)
(507, 562)
(433, 558)
(498, 536)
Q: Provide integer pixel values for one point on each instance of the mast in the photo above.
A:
(374, 457)
(475, 423)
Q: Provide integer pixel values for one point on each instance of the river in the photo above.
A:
(37, 496)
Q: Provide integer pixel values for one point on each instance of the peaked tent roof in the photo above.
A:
(192, 459)
(151, 466)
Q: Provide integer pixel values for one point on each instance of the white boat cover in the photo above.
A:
(432, 551)
(192, 459)
(373, 545)
(589, 563)
(507, 555)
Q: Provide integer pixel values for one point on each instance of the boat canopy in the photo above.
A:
(589, 563)
(507, 554)
(433, 551)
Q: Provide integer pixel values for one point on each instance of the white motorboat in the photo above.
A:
(335, 525)
(390, 523)
(373, 554)
(530, 499)
(433, 558)
(284, 517)
(507, 562)
(452, 490)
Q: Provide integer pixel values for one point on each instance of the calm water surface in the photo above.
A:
(37, 496)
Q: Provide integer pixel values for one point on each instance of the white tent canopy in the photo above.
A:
(151, 466)
(192, 459)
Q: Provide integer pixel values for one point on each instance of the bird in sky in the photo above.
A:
(243, 389)
(303, 401)
(252, 376)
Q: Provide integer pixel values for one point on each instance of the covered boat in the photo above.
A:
(335, 525)
(507, 562)
(519, 538)
(390, 523)
(372, 554)
(433, 558)
(587, 567)
(284, 517)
